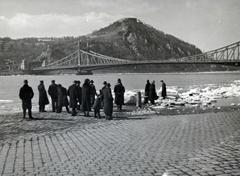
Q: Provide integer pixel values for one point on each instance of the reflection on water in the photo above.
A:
(9, 85)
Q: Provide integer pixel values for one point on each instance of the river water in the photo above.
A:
(180, 82)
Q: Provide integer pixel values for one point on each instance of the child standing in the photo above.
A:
(97, 107)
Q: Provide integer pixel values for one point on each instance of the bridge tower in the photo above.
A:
(23, 65)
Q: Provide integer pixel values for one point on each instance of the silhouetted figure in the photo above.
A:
(52, 91)
(147, 91)
(152, 93)
(26, 94)
(43, 98)
(164, 89)
(97, 107)
(107, 101)
(86, 98)
(92, 92)
(65, 99)
(101, 93)
(72, 92)
(79, 95)
(59, 98)
(119, 94)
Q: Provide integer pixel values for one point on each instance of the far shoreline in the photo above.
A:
(129, 73)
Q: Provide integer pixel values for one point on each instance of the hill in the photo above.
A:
(127, 38)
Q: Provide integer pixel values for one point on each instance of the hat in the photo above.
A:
(119, 80)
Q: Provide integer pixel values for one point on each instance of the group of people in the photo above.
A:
(83, 98)
(150, 92)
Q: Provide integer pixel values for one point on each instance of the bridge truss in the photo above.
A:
(80, 59)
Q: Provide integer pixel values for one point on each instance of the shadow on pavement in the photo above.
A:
(58, 119)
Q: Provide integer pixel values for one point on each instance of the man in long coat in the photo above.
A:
(79, 95)
(59, 98)
(107, 101)
(86, 97)
(65, 99)
(72, 92)
(26, 94)
(92, 92)
(164, 89)
(52, 91)
(43, 99)
(119, 94)
(147, 90)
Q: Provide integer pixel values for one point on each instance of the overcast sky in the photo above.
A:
(208, 24)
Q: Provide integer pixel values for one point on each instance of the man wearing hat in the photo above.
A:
(72, 93)
(164, 89)
(79, 95)
(119, 94)
(43, 99)
(93, 92)
(26, 94)
(52, 91)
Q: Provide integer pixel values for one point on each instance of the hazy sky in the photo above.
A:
(208, 24)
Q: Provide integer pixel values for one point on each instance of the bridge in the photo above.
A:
(88, 61)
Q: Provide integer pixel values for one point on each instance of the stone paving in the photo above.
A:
(194, 144)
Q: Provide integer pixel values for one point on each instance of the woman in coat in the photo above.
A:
(152, 93)
(86, 97)
(107, 101)
(43, 98)
(72, 93)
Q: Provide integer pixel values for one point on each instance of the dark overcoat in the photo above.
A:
(119, 94)
(79, 95)
(97, 103)
(152, 93)
(107, 101)
(164, 90)
(72, 92)
(59, 96)
(147, 89)
(92, 93)
(86, 97)
(43, 99)
(65, 98)
(26, 94)
(52, 91)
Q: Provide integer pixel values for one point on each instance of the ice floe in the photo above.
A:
(204, 95)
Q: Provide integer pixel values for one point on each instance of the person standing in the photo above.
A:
(43, 99)
(26, 94)
(59, 98)
(92, 92)
(152, 93)
(72, 93)
(164, 89)
(97, 106)
(79, 95)
(119, 94)
(52, 91)
(86, 97)
(107, 101)
(65, 102)
(147, 90)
